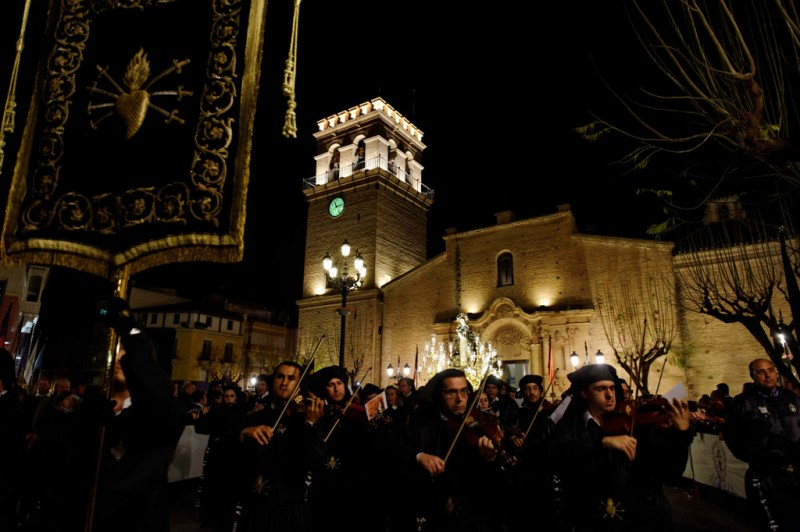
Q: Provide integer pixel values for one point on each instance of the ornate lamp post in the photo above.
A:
(781, 334)
(575, 359)
(340, 279)
(395, 374)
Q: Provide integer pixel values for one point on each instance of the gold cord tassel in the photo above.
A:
(9, 112)
(289, 75)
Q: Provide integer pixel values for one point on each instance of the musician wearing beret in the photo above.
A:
(460, 479)
(280, 444)
(529, 426)
(762, 428)
(354, 448)
(502, 404)
(605, 478)
(531, 388)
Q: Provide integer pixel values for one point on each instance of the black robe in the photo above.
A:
(594, 488)
(138, 445)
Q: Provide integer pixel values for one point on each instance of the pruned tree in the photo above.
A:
(719, 112)
(225, 373)
(640, 322)
(326, 355)
(719, 107)
(735, 277)
(360, 342)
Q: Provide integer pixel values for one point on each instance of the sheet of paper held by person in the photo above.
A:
(677, 392)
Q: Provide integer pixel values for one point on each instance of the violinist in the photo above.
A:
(459, 479)
(529, 426)
(279, 446)
(353, 450)
(606, 480)
(532, 388)
(503, 405)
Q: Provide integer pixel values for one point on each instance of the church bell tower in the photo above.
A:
(367, 190)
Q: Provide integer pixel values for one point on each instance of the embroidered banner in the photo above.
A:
(137, 145)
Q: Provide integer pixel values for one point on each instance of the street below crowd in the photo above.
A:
(695, 507)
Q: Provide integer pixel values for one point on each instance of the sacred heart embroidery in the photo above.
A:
(133, 102)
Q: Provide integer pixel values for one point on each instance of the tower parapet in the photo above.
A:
(365, 137)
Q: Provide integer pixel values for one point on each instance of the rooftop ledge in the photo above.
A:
(376, 104)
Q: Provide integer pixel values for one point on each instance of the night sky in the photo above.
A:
(497, 92)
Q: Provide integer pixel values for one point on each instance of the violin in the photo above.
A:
(480, 423)
(298, 405)
(648, 413)
(706, 416)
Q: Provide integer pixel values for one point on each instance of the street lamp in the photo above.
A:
(340, 279)
(392, 374)
(574, 359)
(599, 357)
(781, 333)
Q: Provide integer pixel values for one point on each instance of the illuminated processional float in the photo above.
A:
(468, 353)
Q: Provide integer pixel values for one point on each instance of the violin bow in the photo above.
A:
(466, 415)
(633, 412)
(296, 390)
(541, 404)
(347, 405)
(638, 378)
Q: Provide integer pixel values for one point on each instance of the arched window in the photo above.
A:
(505, 270)
(359, 157)
(334, 167)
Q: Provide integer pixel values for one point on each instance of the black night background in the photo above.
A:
(496, 91)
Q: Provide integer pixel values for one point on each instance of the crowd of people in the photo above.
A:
(305, 449)
(300, 451)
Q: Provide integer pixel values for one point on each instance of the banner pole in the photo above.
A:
(120, 278)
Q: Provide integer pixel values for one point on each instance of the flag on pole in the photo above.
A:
(31, 369)
(551, 371)
(416, 365)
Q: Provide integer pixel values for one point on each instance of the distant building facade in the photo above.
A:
(222, 339)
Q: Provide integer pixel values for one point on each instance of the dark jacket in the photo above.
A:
(764, 430)
(139, 442)
(594, 488)
(470, 494)
(275, 476)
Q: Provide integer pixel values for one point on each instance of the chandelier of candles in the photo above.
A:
(467, 353)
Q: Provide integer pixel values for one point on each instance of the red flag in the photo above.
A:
(551, 371)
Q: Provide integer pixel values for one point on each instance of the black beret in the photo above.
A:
(321, 378)
(491, 379)
(368, 389)
(531, 379)
(433, 388)
(591, 373)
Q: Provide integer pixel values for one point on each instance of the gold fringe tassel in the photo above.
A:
(11, 99)
(289, 75)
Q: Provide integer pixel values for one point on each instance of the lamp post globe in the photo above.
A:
(338, 276)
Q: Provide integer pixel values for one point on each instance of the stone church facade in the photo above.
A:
(530, 287)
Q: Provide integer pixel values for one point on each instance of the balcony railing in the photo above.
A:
(369, 164)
